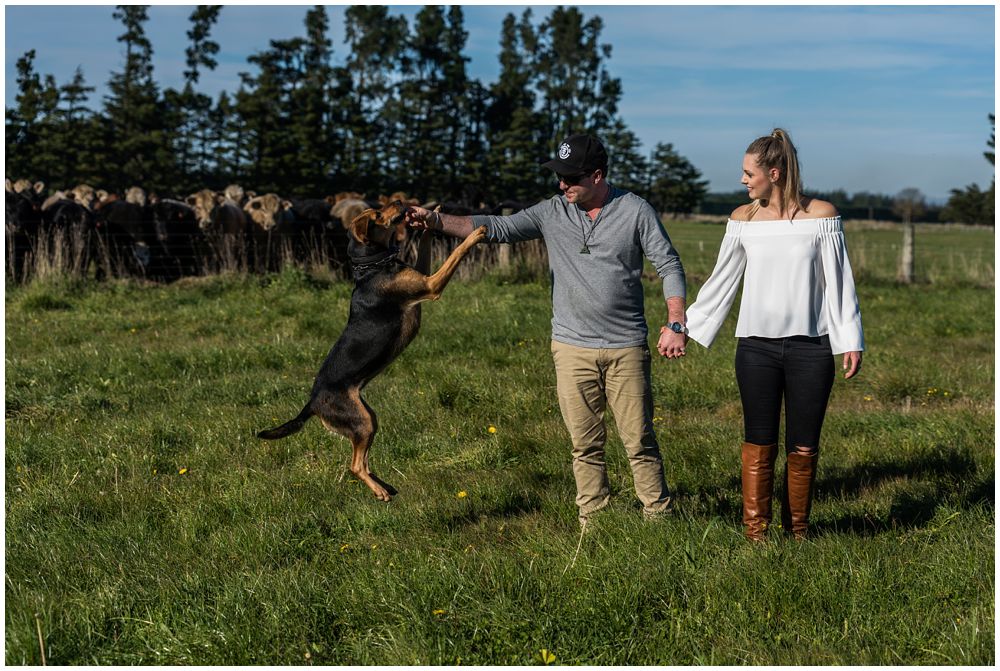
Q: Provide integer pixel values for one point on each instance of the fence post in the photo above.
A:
(906, 273)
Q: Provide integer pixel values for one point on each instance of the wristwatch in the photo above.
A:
(677, 327)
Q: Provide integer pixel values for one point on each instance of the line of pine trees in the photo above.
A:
(399, 113)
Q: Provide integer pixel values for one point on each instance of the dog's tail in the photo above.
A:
(289, 427)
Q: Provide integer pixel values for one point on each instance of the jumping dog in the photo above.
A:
(384, 318)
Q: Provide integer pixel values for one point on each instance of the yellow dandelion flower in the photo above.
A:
(183, 471)
(547, 656)
(439, 611)
(868, 397)
(345, 547)
(462, 494)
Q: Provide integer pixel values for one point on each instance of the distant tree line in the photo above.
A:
(971, 205)
(860, 205)
(400, 113)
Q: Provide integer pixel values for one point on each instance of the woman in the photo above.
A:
(799, 308)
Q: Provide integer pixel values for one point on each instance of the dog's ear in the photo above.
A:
(359, 225)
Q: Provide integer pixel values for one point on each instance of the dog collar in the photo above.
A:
(379, 260)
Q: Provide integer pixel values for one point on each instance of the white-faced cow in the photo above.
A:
(136, 195)
(224, 225)
(274, 230)
(235, 193)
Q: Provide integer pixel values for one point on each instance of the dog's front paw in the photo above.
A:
(477, 235)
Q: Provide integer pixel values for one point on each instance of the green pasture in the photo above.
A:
(145, 524)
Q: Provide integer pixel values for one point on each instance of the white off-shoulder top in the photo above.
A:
(797, 280)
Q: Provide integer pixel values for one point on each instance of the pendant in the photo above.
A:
(585, 250)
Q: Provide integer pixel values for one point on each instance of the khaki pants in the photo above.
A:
(589, 380)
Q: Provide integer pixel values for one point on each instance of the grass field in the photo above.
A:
(145, 524)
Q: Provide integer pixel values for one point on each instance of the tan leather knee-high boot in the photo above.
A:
(800, 474)
(758, 486)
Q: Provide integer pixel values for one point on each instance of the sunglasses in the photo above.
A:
(573, 180)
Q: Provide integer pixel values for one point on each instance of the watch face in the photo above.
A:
(676, 327)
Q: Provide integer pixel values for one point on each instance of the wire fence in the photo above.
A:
(77, 254)
(941, 255)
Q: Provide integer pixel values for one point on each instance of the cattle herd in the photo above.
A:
(86, 231)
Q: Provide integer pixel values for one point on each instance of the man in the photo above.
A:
(596, 236)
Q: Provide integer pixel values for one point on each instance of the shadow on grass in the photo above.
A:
(513, 504)
(927, 479)
(941, 464)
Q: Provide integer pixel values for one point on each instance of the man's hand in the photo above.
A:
(671, 345)
(419, 217)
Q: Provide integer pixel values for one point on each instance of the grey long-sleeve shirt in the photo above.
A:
(597, 298)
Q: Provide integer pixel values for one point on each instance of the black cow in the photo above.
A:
(124, 236)
(178, 246)
(68, 232)
(23, 219)
(319, 232)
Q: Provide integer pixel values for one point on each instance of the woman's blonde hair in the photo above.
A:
(777, 151)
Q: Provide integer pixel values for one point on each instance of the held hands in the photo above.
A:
(852, 364)
(671, 345)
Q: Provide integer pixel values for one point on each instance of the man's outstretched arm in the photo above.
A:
(459, 227)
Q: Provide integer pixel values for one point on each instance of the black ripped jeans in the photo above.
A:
(798, 368)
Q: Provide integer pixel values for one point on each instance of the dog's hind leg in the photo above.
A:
(359, 464)
(347, 414)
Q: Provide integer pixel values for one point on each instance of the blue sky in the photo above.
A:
(876, 98)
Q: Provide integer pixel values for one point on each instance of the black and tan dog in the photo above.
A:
(384, 318)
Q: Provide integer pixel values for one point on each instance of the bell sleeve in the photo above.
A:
(843, 315)
(706, 315)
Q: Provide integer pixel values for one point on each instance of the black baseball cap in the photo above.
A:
(578, 153)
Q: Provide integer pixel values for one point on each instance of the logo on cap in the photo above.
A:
(564, 151)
